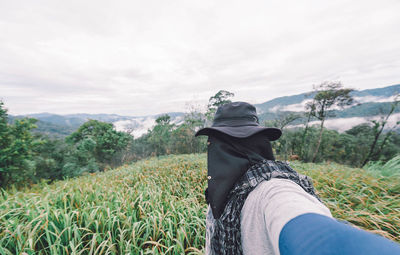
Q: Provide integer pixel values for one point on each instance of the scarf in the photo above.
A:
(228, 159)
(225, 232)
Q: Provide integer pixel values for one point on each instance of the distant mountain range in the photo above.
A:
(368, 104)
(63, 125)
(297, 102)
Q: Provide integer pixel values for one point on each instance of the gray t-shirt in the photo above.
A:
(266, 210)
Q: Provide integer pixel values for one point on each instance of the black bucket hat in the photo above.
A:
(238, 119)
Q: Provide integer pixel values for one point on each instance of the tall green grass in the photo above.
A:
(156, 206)
(359, 197)
(388, 169)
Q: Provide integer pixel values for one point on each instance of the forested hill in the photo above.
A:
(370, 95)
(378, 92)
(369, 102)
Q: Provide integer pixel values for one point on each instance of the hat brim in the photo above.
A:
(242, 132)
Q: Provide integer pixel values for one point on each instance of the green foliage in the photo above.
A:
(80, 159)
(345, 148)
(377, 130)
(53, 130)
(50, 155)
(388, 169)
(166, 138)
(184, 142)
(195, 120)
(283, 119)
(26, 158)
(156, 206)
(357, 196)
(365, 110)
(159, 138)
(220, 98)
(16, 144)
(99, 141)
(327, 96)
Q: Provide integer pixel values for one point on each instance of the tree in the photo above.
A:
(194, 118)
(283, 119)
(160, 136)
(16, 144)
(222, 97)
(378, 127)
(328, 95)
(100, 140)
(49, 156)
(310, 108)
(5, 140)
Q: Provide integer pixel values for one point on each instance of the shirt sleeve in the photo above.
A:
(317, 234)
(281, 200)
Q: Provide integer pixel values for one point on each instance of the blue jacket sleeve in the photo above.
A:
(317, 234)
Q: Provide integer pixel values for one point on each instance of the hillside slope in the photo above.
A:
(156, 206)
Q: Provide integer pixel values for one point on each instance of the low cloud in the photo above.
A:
(375, 99)
(343, 124)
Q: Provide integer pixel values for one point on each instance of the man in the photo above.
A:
(261, 206)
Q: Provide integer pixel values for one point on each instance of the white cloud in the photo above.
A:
(140, 125)
(136, 127)
(374, 99)
(343, 124)
(300, 107)
(297, 107)
(147, 57)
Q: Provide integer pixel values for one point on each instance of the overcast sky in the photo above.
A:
(148, 57)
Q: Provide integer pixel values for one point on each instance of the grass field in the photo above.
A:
(156, 206)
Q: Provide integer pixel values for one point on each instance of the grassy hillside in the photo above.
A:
(156, 206)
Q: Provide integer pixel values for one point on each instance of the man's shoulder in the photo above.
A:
(275, 184)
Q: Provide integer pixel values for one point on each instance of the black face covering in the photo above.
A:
(228, 159)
